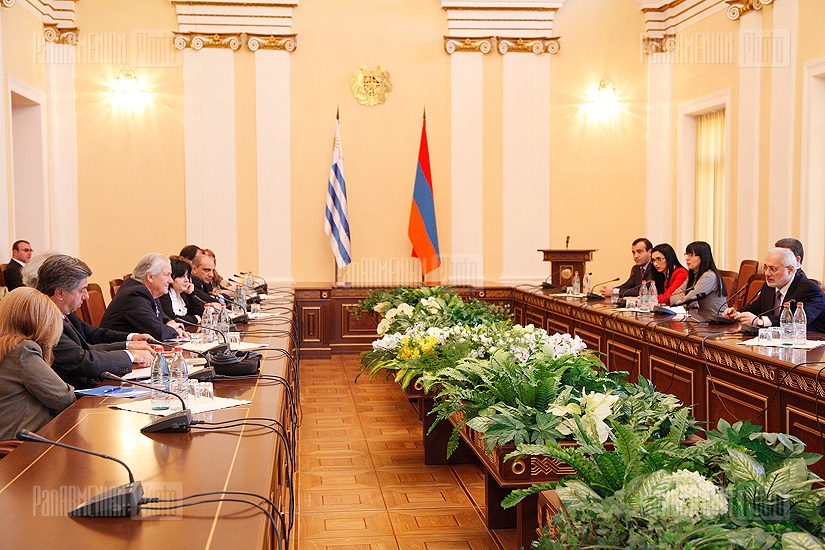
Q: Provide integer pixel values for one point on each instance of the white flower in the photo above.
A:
(388, 342)
(593, 409)
(384, 325)
(691, 497)
(405, 309)
(381, 307)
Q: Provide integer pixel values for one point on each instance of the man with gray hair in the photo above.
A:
(784, 282)
(135, 307)
(84, 352)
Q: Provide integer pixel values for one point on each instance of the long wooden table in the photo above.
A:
(40, 483)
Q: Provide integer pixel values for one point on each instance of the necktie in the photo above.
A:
(777, 303)
(642, 271)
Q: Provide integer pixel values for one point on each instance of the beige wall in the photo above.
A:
(131, 165)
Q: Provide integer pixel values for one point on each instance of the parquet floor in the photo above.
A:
(362, 482)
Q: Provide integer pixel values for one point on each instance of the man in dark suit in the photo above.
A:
(642, 270)
(21, 253)
(783, 283)
(203, 268)
(135, 307)
(84, 352)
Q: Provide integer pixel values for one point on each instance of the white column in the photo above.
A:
(812, 185)
(659, 180)
(5, 206)
(272, 121)
(209, 149)
(526, 166)
(783, 79)
(466, 174)
(747, 162)
(65, 235)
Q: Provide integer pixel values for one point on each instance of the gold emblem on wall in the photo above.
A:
(371, 86)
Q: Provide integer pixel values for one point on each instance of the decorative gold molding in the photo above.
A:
(60, 36)
(666, 43)
(454, 44)
(737, 8)
(285, 42)
(537, 46)
(7, 3)
(198, 41)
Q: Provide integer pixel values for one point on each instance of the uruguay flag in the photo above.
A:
(422, 230)
(336, 221)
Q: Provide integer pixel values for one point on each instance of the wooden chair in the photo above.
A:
(3, 274)
(757, 281)
(747, 268)
(8, 445)
(95, 306)
(730, 281)
(114, 285)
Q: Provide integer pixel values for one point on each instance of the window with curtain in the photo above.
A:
(711, 188)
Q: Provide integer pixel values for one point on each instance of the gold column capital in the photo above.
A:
(537, 46)
(662, 44)
(198, 41)
(476, 44)
(7, 3)
(737, 8)
(59, 36)
(285, 42)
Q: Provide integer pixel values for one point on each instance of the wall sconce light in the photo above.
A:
(128, 92)
(604, 102)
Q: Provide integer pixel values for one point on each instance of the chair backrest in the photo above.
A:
(3, 274)
(757, 281)
(730, 281)
(95, 286)
(96, 306)
(114, 285)
(8, 445)
(747, 268)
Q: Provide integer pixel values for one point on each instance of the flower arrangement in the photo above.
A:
(739, 488)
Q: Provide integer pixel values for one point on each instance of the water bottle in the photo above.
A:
(208, 320)
(644, 303)
(160, 380)
(586, 283)
(240, 298)
(652, 294)
(800, 326)
(786, 328)
(179, 374)
(223, 322)
(249, 282)
(577, 283)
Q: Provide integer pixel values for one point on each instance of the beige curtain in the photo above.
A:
(711, 208)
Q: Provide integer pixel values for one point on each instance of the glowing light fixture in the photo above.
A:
(604, 102)
(129, 93)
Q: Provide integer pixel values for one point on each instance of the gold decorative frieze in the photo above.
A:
(196, 41)
(666, 43)
(453, 44)
(529, 45)
(371, 86)
(60, 36)
(737, 8)
(284, 42)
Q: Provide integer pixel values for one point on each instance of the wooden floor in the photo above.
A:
(362, 482)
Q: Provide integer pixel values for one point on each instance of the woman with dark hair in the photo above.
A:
(670, 272)
(703, 278)
(31, 393)
(180, 303)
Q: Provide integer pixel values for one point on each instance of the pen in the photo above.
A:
(112, 389)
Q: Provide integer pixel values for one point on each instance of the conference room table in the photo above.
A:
(40, 483)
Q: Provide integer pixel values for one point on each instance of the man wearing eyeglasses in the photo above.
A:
(784, 282)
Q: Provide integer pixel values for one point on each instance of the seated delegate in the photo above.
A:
(671, 274)
(784, 282)
(135, 307)
(180, 303)
(703, 278)
(31, 393)
(84, 352)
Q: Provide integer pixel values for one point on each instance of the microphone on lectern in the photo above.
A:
(122, 501)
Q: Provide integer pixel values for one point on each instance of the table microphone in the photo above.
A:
(122, 501)
(753, 330)
(688, 301)
(177, 422)
(594, 296)
(545, 284)
(718, 318)
(622, 302)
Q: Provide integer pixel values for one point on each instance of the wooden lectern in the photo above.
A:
(564, 263)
